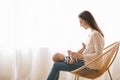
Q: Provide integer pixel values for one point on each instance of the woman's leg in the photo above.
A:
(54, 73)
(62, 66)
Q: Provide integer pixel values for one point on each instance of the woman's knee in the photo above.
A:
(56, 64)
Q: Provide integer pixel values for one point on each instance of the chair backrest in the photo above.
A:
(110, 55)
(107, 58)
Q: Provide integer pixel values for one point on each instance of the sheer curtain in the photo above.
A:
(31, 31)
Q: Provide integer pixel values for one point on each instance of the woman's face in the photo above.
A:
(83, 23)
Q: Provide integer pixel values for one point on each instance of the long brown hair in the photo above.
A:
(87, 16)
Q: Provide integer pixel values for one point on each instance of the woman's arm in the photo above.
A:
(78, 54)
(97, 42)
(82, 49)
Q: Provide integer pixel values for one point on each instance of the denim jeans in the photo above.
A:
(62, 66)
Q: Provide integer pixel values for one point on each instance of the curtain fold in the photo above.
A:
(7, 64)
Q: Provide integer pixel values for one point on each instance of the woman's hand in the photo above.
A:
(72, 54)
(83, 45)
(77, 56)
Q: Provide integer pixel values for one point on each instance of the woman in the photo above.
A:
(94, 47)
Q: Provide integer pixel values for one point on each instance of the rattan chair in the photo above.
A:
(108, 56)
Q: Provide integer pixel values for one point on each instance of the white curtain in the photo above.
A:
(31, 31)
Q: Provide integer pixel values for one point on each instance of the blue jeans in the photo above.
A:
(62, 66)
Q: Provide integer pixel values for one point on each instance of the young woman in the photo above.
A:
(94, 47)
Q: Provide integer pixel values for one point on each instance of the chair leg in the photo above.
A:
(109, 74)
(76, 78)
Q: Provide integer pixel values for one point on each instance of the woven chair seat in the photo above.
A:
(108, 56)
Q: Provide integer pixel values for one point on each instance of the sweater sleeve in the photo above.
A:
(97, 44)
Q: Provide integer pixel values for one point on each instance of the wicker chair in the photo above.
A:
(108, 56)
